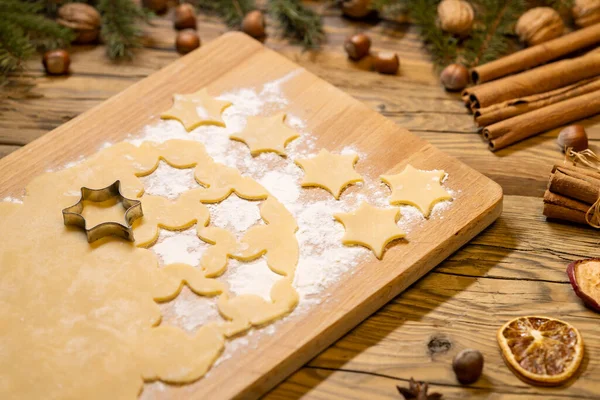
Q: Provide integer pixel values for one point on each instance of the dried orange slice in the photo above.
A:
(542, 350)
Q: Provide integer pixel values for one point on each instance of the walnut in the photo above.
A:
(455, 16)
(539, 25)
(82, 18)
(586, 12)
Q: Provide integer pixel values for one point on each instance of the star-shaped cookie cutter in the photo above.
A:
(133, 210)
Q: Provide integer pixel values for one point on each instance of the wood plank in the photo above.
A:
(336, 120)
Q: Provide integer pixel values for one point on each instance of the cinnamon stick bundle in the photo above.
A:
(508, 109)
(564, 208)
(537, 55)
(512, 130)
(538, 80)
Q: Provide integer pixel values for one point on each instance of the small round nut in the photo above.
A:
(186, 41)
(386, 63)
(586, 12)
(455, 77)
(539, 25)
(357, 46)
(157, 6)
(82, 18)
(56, 62)
(185, 17)
(573, 136)
(253, 24)
(455, 16)
(356, 8)
(468, 365)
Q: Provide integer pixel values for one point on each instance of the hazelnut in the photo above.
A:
(455, 16)
(455, 77)
(386, 63)
(82, 18)
(186, 41)
(157, 6)
(356, 8)
(56, 62)
(253, 24)
(185, 17)
(586, 12)
(468, 365)
(357, 46)
(573, 136)
(539, 25)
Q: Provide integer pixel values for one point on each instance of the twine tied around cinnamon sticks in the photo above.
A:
(589, 159)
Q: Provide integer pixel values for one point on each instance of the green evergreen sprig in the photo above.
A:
(230, 11)
(120, 29)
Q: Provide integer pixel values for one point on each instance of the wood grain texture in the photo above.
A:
(336, 120)
(520, 246)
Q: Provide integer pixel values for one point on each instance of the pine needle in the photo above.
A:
(297, 22)
(231, 11)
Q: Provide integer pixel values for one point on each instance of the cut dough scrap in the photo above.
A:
(247, 310)
(171, 355)
(176, 152)
(266, 134)
(332, 172)
(220, 181)
(160, 212)
(414, 187)
(277, 239)
(214, 260)
(371, 227)
(196, 109)
(173, 277)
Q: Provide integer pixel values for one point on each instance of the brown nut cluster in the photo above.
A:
(185, 17)
(254, 24)
(573, 136)
(539, 25)
(356, 8)
(186, 41)
(586, 12)
(455, 16)
(455, 77)
(82, 18)
(386, 62)
(56, 62)
(357, 46)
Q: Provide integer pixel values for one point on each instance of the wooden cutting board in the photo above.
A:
(337, 120)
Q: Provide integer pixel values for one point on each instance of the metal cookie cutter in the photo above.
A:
(72, 215)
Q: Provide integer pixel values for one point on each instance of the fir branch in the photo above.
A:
(297, 21)
(231, 11)
(120, 26)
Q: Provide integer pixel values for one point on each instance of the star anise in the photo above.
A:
(418, 391)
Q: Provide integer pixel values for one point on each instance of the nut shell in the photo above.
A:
(455, 16)
(386, 63)
(253, 24)
(56, 62)
(539, 25)
(356, 8)
(82, 18)
(185, 17)
(455, 77)
(357, 46)
(586, 12)
(186, 41)
(573, 136)
(588, 270)
(468, 366)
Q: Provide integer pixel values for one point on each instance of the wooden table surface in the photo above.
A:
(516, 267)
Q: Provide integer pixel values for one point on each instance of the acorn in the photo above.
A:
(357, 46)
(185, 17)
(253, 24)
(386, 63)
(56, 62)
(468, 365)
(455, 77)
(573, 136)
(186, 41)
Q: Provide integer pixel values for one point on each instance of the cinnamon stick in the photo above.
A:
(574, 187)
(564, 208)
(537, 55)
(508, 109)
(509, 131)
(538, 80)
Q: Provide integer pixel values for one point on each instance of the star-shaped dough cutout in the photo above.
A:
(371, 227)
(414, 187)
(196, 109)
(266, 134)
(332, 172)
